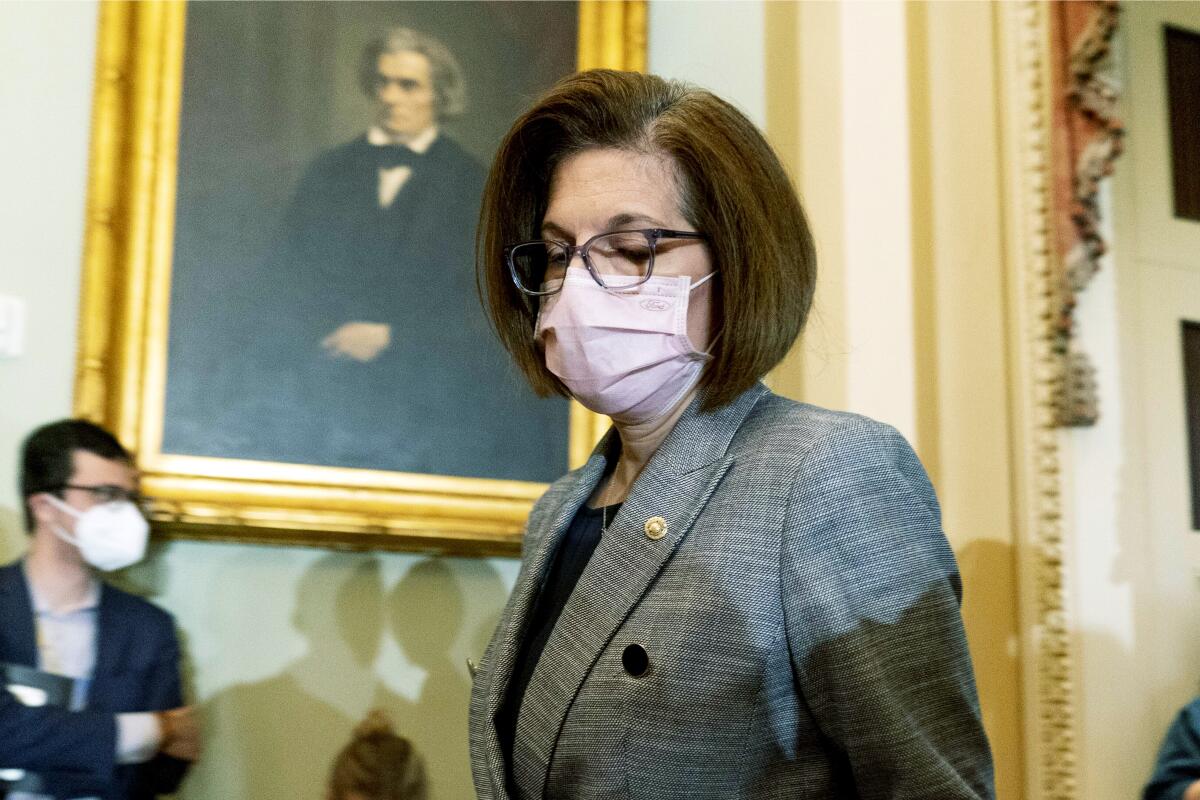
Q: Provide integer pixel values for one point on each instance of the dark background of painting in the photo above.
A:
(267, 87)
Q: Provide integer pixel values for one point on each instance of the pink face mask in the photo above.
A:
(625, 354)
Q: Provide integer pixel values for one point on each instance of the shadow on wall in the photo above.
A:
(1115, 732)
(426, 620)
(278, 737)
(989, 609)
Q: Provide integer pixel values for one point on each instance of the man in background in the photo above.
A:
(122, 733)
(1176, 773)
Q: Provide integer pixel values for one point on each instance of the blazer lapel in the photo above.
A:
(110, 643)
(18, 633)
(675, 486)
(525, 592)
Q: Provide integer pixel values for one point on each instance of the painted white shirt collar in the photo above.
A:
(376, 135)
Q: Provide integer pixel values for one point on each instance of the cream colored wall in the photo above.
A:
(1131, 566)
(717, 44)
(960, 329)
(1136, 562)
(897, 159)
(45, 100)
(286, 647)
(848, 84)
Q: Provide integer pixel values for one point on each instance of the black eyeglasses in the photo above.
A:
(107, 493)
(615, 259)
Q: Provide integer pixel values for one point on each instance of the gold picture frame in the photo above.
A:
(121, 373)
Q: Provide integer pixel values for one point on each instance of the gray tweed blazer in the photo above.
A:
(800, 618)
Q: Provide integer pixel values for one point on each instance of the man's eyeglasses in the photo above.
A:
(615, 260)
(107, 493)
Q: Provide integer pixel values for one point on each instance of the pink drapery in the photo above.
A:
(1086, 138)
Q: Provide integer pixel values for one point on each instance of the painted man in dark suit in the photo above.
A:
(376, 349)
(124, 733)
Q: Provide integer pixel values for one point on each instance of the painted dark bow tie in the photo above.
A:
(395, 155)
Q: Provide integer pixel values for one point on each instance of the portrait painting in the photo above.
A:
(323, 304)
(281, 310)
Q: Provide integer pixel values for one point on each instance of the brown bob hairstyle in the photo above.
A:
(732, 188)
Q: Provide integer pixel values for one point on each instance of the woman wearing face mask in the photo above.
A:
(738, 595)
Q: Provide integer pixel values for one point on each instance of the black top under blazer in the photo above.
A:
(799, 621)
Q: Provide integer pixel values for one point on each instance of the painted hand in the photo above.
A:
(361, 341)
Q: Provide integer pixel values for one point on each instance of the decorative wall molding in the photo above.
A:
(1038, 368)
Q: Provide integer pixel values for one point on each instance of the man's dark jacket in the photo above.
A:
(137, 669)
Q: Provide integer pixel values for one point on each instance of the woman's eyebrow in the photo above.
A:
(621, 220)
(615, 222)
(550, 229)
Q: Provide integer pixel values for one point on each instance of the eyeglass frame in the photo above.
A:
(653, 236)
(107, 493)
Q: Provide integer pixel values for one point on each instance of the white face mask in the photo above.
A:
(109, 536)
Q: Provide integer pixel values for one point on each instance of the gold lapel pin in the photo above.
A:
(656, 528)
